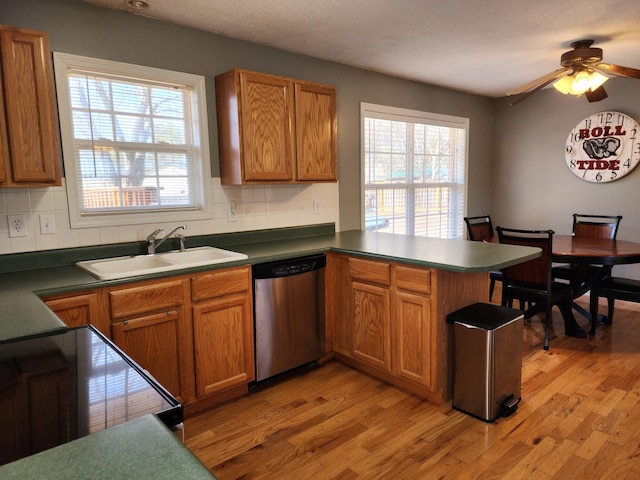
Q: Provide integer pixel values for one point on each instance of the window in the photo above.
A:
(414, 170)
(134, 142)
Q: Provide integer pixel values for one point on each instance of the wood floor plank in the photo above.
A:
(578, 418)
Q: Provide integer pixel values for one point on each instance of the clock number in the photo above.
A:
(613, 176)
(587, 122)
(605, 117)
(633, 131)
(573, 164)
(627, 163)
(620, 119)
(569, 149)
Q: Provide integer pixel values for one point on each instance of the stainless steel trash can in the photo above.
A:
(487, 366)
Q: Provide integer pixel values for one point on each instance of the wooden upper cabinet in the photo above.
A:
(265, 125)
(316, 132)
(275, 129)
(29, 149)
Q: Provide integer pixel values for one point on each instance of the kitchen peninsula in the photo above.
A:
(444, 274)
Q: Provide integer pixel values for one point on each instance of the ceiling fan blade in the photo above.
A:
(526, 95)
(544, 80)
(597, 95)
(617, 70)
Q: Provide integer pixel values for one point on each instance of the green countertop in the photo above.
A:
(140, 448)
(23, 313)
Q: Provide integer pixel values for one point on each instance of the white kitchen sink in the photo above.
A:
(122, 267)
(202, 256)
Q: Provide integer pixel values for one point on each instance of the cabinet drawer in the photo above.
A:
(146, 298)
(413, 279)
(370, 271)
(220, 283)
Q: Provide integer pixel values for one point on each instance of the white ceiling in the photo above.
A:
(485, 47)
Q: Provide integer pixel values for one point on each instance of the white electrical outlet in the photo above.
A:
(316, 206)
(47, 223)
(17, 225)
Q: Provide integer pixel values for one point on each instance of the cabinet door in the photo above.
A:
(266, 127)
(154, 342)
(316, 132)
(414, 350)
(31, 123)
(371, 324)
(412, 355)
(80, 309)
(223, 343)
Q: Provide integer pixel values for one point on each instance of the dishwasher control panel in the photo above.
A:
(287, 268)
(292, 269)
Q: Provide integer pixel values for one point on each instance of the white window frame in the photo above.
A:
(63, 62)
(455, 229)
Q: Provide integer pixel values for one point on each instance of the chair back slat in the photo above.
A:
(479, 228)
(596, 226)
(536, 272)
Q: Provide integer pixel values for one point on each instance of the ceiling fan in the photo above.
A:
(582, 72)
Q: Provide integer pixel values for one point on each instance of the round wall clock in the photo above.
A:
(603, 147)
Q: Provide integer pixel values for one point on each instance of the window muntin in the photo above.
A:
(414, 169)
(132, 142)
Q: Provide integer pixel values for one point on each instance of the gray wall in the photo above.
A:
(516, 160)
(532, 185)
(84, 29)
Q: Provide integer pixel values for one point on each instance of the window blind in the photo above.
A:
(133, 143)
(414, 166)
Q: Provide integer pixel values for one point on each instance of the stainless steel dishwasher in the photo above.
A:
(289, 314)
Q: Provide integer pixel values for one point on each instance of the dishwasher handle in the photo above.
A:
(289, 267)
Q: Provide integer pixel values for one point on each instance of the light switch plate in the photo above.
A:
(47, 223)
(232, 212)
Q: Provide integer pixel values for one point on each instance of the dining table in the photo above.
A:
(594, 251)
(585, 253)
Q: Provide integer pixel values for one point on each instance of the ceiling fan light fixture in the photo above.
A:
(580, 82)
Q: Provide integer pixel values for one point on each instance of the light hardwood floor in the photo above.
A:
(579, 419)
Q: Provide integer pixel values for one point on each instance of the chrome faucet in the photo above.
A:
(153, 243)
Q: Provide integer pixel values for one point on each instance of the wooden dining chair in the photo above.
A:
(588, 226)
(612, 288)
(480, 229)
(531, 282)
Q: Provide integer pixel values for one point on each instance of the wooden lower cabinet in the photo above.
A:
(193, 333)
(223, 330)
(413, 340)
(371, 324)
(149, 323)
(223, 356)
(389, 319)
(154, 341)
(77, 309)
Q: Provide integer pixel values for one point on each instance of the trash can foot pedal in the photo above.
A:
(509, 405)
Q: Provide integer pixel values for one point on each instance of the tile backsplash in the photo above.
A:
(257, 207)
